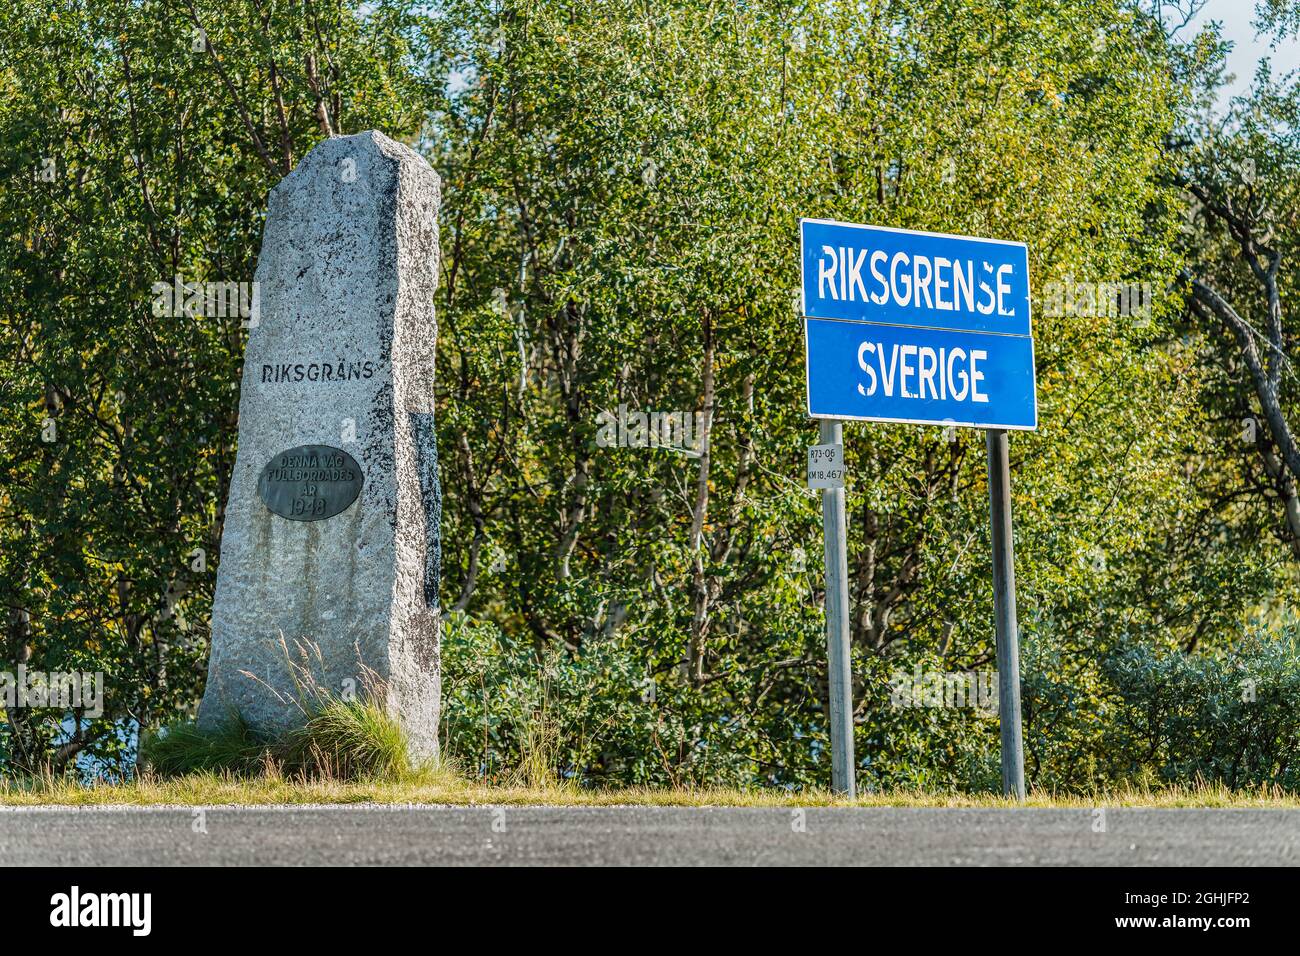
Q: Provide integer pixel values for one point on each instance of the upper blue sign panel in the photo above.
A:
(924, 279)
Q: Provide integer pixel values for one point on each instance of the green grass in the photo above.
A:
(340, 740)
(348, 741)
(183, 748)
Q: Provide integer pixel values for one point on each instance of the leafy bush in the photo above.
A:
(512, 713)
(1231, 717)
(1138, 717)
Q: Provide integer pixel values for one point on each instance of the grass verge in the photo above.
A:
(440, 785)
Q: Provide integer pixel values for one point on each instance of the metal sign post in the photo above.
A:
(918, 328)
(1004, 605)
(837, 610)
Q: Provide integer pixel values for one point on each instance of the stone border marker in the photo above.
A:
(330, 549)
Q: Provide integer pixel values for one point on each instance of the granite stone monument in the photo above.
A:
(330, 546)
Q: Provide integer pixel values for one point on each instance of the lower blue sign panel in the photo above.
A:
(892, 373)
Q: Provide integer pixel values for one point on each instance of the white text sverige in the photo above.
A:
(919, 371)
(939, 283)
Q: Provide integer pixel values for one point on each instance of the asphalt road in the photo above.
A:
(363, 835)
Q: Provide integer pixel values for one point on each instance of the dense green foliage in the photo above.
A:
(119, 435)
(622, 187)
(1227, 716)
(1230, 718)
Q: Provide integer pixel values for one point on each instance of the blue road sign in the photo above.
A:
(917, 327)
(893, 373)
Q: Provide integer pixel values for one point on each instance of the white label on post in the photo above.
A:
(826, 466)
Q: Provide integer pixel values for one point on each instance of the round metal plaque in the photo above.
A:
(310, 482)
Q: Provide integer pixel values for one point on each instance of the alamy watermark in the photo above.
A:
(1097, 299)
(922, 688)
(74, 908)
(211, 299)
(679, 431)
(66, 689)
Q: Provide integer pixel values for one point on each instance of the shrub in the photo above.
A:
(1230, 718)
